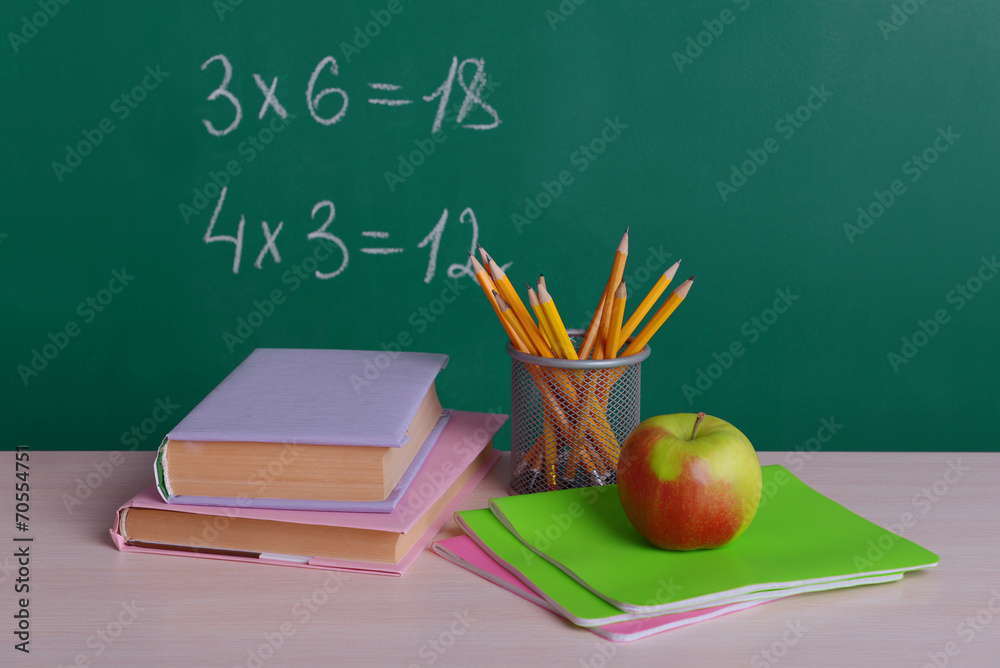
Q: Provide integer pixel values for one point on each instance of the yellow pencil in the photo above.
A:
(555, 322)
(617, 272)
(486, 283)
(543, 324)
(647, 303)
(617, 315)
(510, 295)
(672, 302)
(507, 314)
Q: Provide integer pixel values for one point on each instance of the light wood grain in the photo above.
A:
(214, 613)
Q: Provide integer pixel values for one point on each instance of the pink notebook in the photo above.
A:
(464, 551)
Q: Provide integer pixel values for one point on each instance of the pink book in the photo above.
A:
(464, 439)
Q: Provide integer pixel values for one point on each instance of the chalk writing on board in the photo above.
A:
(324, 212)
(470, 79)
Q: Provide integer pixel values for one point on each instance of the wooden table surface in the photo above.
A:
(91, 605)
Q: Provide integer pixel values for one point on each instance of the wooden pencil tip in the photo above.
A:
(683, 288)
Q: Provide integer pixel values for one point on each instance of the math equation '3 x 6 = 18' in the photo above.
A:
(382, 94)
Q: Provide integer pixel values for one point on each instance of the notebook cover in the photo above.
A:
(316, 562)
(467, 422)
(320, 397)
(799, 537)
(465, 552)
(577, 603)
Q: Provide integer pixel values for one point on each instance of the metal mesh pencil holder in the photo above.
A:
(569, 418)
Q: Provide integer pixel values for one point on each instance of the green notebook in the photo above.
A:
(798, 538)
(577, 603)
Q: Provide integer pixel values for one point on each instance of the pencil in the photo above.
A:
(486, 283)
(672, 302)
(555, 322)
(617, 314)
(483, 254)
(647, 302)
(591, 334)
(509, 294)
(543, 324)
(507, 314)
(617, 272)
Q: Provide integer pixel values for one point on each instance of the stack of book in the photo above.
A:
(575, 553)
(335, 459)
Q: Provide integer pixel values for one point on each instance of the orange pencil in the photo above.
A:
(668, 307)
(484, 255)
(647, 302)
(617, 314)
(617, 272)
(590, 337)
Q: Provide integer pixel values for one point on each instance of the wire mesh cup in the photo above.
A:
(569, 418)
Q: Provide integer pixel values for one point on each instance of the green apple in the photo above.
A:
(688, 482)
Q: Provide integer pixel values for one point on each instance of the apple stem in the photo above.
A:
(697, 423)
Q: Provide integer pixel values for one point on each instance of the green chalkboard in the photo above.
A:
(184, 182)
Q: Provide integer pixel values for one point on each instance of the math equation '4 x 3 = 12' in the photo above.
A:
(323, 235)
